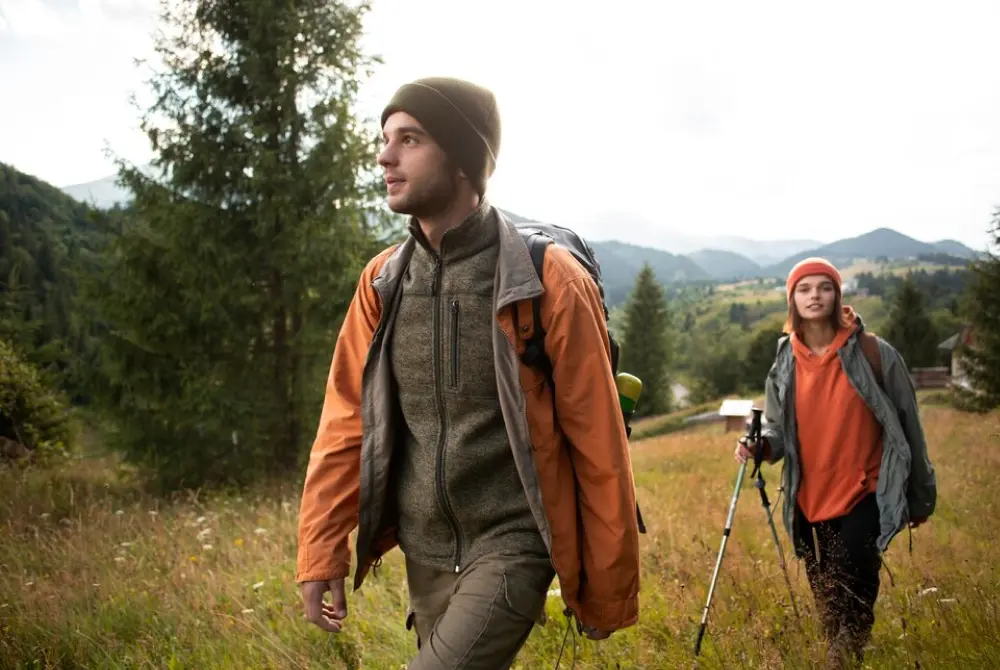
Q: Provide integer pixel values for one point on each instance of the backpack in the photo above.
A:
(869, 346)
(537, 237)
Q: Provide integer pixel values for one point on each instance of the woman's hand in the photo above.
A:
(743, 450)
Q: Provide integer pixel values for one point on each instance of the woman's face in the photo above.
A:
(815, 296)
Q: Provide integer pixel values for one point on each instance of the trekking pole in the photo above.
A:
(758, 458)
(753, 434)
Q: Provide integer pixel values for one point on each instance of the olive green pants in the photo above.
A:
(480, 618)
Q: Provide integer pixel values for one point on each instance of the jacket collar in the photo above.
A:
(474, 234)
(516, 278)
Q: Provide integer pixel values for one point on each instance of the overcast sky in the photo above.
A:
(764, 119)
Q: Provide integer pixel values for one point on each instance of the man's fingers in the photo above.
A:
(327, 624)
(333, 611)
(323, 615)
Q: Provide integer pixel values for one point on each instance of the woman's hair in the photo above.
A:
(839, 318)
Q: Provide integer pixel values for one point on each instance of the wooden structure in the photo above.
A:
(736, 413)
(954, 346)
(930, 378)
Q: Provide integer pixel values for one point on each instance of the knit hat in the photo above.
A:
(811, 266)
(461, 116)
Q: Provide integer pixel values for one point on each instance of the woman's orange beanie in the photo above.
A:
(811, 266)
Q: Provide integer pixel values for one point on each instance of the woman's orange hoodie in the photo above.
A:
(840, 439)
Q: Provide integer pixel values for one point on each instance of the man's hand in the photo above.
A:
(917, 521)
(328, 616)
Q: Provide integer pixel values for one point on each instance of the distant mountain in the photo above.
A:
(621, 262)
(883, 242)
(657, 234)
(955, 248)
(103, 193)
(690, 258)
(725, 265)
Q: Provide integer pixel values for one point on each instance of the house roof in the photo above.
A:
(734, 407)
(951, 342)
(963, 336)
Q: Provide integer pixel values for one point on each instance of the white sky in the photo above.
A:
(763, 119)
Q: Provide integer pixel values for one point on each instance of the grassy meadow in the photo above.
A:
(94, 573)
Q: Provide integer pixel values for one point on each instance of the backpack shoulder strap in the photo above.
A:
(869, 345)
(534, 353)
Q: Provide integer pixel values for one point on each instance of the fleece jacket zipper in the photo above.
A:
(438, 384)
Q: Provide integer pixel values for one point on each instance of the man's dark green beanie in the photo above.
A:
(461, 116)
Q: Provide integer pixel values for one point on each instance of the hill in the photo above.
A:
(678, 257)
(45, 238)
(954, 248)
(725, 265)
(621, 262)
(881, 242)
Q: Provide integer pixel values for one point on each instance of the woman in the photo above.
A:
(841, 411)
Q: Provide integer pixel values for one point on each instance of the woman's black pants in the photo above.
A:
(842, 564)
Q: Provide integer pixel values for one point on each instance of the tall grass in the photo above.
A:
(96, 574)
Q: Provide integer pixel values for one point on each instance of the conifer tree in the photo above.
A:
(981, 360)
(645, 345)
(223, 294)
(910, 328)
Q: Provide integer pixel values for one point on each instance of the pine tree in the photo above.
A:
(224, 291)
(910, 329)
(981, 360)
(645, 347)
(760, 355)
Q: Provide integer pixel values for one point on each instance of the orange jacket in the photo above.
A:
(577, 475)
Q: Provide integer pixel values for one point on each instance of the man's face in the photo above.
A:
(420, 180)
(815, 296)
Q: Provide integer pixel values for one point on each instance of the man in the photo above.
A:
(435, 437)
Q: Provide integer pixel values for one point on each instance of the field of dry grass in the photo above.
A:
(95, 574)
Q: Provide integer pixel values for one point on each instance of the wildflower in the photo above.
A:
(248, 611)
(126, 544)
(200, 520)
(119, 512)
(45, 515)
(258, 586)
(204, 532)
(206, 547)
(152, 512)
(260, 532)
(238, 542)
(119, 559)
(193, 559)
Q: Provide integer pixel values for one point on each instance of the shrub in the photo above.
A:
(34, 421)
